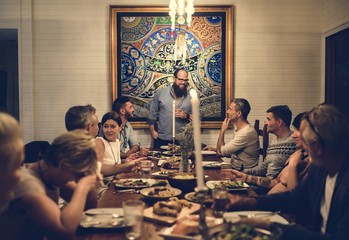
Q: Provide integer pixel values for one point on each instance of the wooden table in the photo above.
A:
(114, 199)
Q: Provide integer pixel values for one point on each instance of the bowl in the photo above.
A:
(183, 181)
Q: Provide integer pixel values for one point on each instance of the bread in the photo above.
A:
(171, 208)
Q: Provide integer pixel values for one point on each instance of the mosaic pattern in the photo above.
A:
(148, 62)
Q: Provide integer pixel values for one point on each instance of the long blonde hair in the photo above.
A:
(10, 138)
(74, 149)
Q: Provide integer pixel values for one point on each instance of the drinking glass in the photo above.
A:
(146, 168)
(220, 200)
(133, 218)
(226, 174)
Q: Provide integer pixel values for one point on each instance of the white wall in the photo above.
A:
(277, 52)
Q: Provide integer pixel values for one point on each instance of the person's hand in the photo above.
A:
(238, 175)
(237, 202)
(179, 113)
(89, 182)
(186, 225)
(143, 152)
(225, 124)
(208, 148)
(295, 159)
(154, 134)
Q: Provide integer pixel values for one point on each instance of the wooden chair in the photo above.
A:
(35, 150)
(265, 136)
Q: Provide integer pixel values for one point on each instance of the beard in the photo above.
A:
(178, 91)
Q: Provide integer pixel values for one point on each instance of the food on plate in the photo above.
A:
(170, 208)
(244, 231)
(171, 163)
(195, 197)
(174, 148)
(229, 184)
(132, 183)
(160, 191)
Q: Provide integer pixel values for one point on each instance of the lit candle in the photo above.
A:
(197, 139)
(174, 119)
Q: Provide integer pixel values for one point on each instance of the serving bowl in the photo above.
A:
(184, 181)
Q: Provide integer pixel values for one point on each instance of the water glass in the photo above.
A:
(146, 168)
(133, 218)
(226, 173)
(220, 201)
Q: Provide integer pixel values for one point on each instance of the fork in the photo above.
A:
(252, 215)
(130, 190)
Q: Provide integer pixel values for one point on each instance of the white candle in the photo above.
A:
(197, 139)
(174, 119)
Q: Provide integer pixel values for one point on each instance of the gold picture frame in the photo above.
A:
(134, 33)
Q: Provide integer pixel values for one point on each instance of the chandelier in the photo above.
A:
(181, 8)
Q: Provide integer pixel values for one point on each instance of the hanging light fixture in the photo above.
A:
(182, 8)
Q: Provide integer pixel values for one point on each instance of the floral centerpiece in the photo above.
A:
(186, 141)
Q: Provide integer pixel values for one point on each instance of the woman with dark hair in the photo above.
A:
(108, 148)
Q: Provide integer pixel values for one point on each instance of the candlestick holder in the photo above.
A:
(173, 146)
(201, 196)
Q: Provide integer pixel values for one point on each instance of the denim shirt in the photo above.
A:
(160, 112)
(127, 138)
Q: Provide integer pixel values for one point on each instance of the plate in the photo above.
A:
(192, 198)
(174, 192)
(170, 153)
(236, 216)
(161, 174)
(213, 185)
(167, 232)
(207, 152)
(103, 218)
(211, 164)
(168, 220)
(164, 147)
(134, 183)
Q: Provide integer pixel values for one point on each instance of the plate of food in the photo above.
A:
(134, 183)
(161, 174)
(230, 185)
(171, 153)
(193, 197)
(211, 164)
(103, 218)
(261, 215)
(208, 152)
(172, 163)
(169, 210)
(160, 192)
(164, 147)
(188, 229)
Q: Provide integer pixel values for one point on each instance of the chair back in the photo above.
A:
(34, 151)
(265, 136)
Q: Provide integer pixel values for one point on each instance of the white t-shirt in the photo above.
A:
(326, 200)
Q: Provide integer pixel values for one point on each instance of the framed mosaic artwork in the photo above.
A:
(143, 60)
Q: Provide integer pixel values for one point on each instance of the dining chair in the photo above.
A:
(34, 151)
(265, 136)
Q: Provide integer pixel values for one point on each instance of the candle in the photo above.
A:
(174, 119)
(197, 139)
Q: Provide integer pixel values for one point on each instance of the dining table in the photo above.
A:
(113, 198)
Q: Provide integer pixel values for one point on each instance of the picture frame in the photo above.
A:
(141, 40)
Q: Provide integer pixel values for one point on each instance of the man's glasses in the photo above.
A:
(183, 79)
(321, 141)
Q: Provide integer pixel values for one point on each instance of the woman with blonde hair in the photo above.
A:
(67, 170)
(11, 157)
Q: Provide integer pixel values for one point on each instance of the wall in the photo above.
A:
(277, 53)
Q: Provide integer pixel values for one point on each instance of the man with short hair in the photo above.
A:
(160, 111)
(243, 148)
(124, 107)
(320, 204)
(84, 117)
(282, 146)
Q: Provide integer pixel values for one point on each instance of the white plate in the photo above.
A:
(170, 153)
(103, 218)
(164, 147)
(211, 164)
(207, 152)
(235, 216)
(174, 193)
(148, 183)
(212, 185)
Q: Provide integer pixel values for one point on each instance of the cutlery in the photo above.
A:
(102, 224)
(129, 190)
